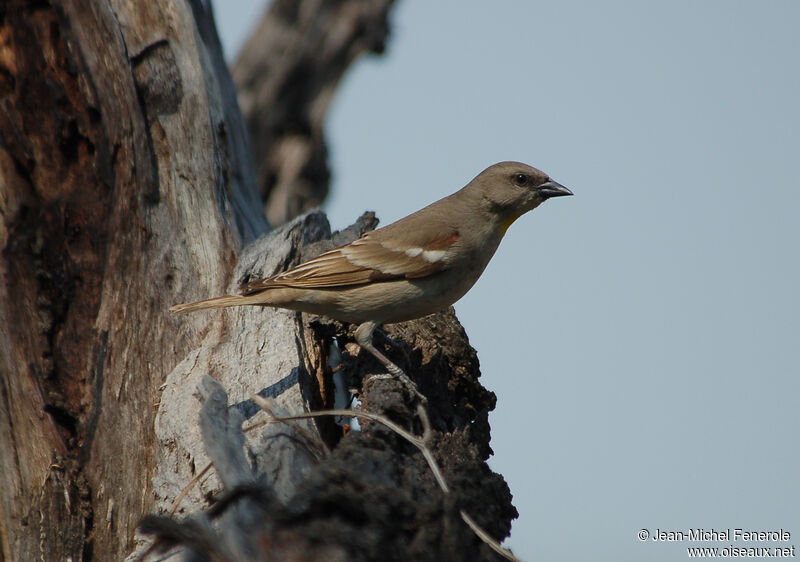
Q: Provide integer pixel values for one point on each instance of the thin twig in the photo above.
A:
(267, 404)
(487, 538)
(188, 487)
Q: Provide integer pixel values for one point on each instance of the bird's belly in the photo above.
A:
(389, 301)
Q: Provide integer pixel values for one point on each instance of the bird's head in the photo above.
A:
(511, 189)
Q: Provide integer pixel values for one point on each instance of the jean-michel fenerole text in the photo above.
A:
(721, 535)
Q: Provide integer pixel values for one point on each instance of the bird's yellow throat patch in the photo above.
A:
(508, 221)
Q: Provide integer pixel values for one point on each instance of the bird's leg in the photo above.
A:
(364, 338)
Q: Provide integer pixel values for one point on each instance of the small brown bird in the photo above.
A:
(416, 266)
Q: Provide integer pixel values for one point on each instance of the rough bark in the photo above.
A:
(287, 74)
(126, 186)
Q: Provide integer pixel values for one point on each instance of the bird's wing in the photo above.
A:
(372, 257)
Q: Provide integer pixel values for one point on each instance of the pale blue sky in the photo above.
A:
(643, 337)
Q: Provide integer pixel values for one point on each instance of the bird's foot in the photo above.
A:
(398, 373)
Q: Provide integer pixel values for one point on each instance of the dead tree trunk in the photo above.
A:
(127, 185)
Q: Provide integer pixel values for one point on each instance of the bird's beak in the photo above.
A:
(552, 188)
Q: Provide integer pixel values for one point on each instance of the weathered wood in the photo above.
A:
(249, 350)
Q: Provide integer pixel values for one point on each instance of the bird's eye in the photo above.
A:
(520, 179)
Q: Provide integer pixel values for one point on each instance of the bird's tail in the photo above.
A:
(218, 302)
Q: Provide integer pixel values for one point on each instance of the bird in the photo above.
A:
(414, 267)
